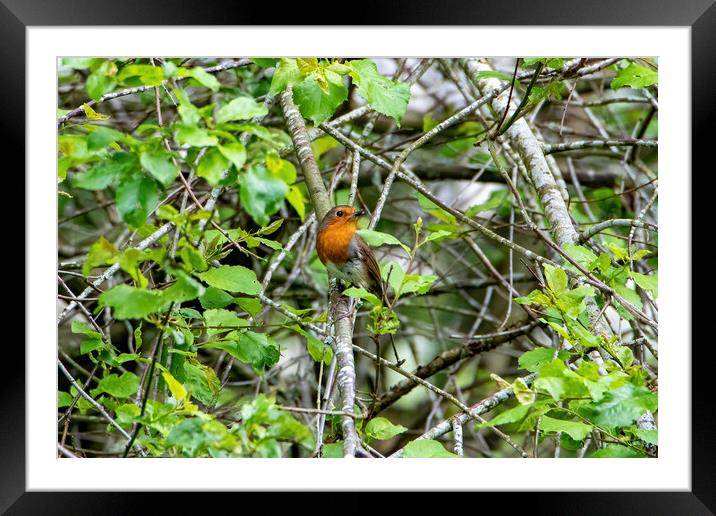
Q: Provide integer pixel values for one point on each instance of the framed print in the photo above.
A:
(432, 242)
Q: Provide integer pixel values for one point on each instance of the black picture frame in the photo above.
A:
(700, 15)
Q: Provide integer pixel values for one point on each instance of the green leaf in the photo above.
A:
(576, 430)
(130, 302)
(376, 238)
(552, 91)
(581, 254)
(91, 114)
(84, 329)
(619, 252)
(381, 428)
(233, 278)
(585, 337)
(556, 279)
(250, 305)
(160, 166)
(523, 393)
(187, 435)
(129, 260)
(635, 76)
(616, 451)
(417, 283)
(264, 62)
(316, 104)
(333, 450)
(603, 262)
(382, 321)
(493, 74)
(295, 198)
(627, 293)
(100, 253)
(535, 297)
(281, 168)
(176, 388)
(625, 356)
(194, 136)
(257, 349)
(203, 77)
(649, 283)
(192, 259)
(536, 358)
(187, 111)
(261, 193)
(126, 414)
(426, 448)
(321, 145)
(286, 74)
(271, 228)
(219, 320)
(307, 65)
(64, 399)
(512, 415)
(549, 62)
(74, 145)
(92, 344)
(559, 381)
(99, 177)
(101, 137)
(495, 200)
(216, 298)
(393, 274)
(135, 200)
(185, 288)
(639, 254)
(234, 152)
(620, 407)
(141, 74)
(202, 381)
(102, 80)
(241, 108)
(438, 235)
(79, 63)
(212, 166)
(118, 386)
(385, 96)
(360, 293)
(190, 313)
(571, 301)
(648, 436)
(316, 348)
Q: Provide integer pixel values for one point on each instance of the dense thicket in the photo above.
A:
(513, 209)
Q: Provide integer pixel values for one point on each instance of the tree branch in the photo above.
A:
(338, 305)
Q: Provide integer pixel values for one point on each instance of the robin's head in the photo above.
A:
(336, 233)
(343, 218)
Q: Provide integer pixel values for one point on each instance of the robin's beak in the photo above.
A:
(358, 213)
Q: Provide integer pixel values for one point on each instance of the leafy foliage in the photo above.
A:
(211, 337)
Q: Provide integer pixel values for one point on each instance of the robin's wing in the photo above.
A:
(375, 282)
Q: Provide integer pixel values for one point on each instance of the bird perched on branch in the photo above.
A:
(345, 254)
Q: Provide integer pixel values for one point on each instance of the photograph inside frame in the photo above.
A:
(357, 257)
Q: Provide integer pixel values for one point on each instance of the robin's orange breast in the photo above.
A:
(333, 244)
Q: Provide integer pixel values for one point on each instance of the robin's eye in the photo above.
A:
(339, 213)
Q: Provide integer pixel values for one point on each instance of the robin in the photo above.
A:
(347, 257)
(345, 254)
